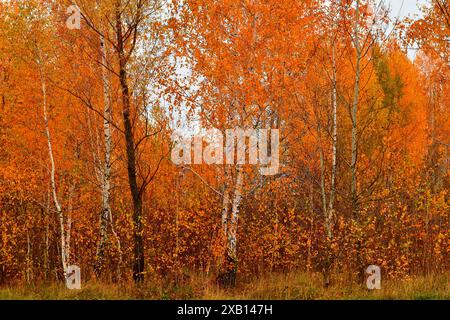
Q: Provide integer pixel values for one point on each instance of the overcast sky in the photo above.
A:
(409, 7)
(405, 8)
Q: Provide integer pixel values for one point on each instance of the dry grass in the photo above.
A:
(276, 286)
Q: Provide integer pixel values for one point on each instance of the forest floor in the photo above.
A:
(275, 286)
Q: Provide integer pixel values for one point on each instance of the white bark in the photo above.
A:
(105, 174)
(65, 236)
(106, 187)
(225, 203)
(334, 103)
(234, 219)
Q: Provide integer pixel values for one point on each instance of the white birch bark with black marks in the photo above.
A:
(64, 234)
(334, 103)
(234, 217)
(105, 175)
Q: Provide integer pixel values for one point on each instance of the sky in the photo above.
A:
(405, 7)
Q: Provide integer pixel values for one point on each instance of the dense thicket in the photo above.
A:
(86, 122)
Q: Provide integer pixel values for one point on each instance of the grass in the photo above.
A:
(309, 287)
(276, 286)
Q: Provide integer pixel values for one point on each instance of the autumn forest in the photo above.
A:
(93, 94)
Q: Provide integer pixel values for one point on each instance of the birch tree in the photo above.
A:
(129, 26)
(64, 224)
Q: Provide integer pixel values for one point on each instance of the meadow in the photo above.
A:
(295, 286)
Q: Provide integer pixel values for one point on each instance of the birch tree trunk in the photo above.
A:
(233, 227)
(334, 103)
(65, 235)
(225, 204)
(223, 237)
(106, 166)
